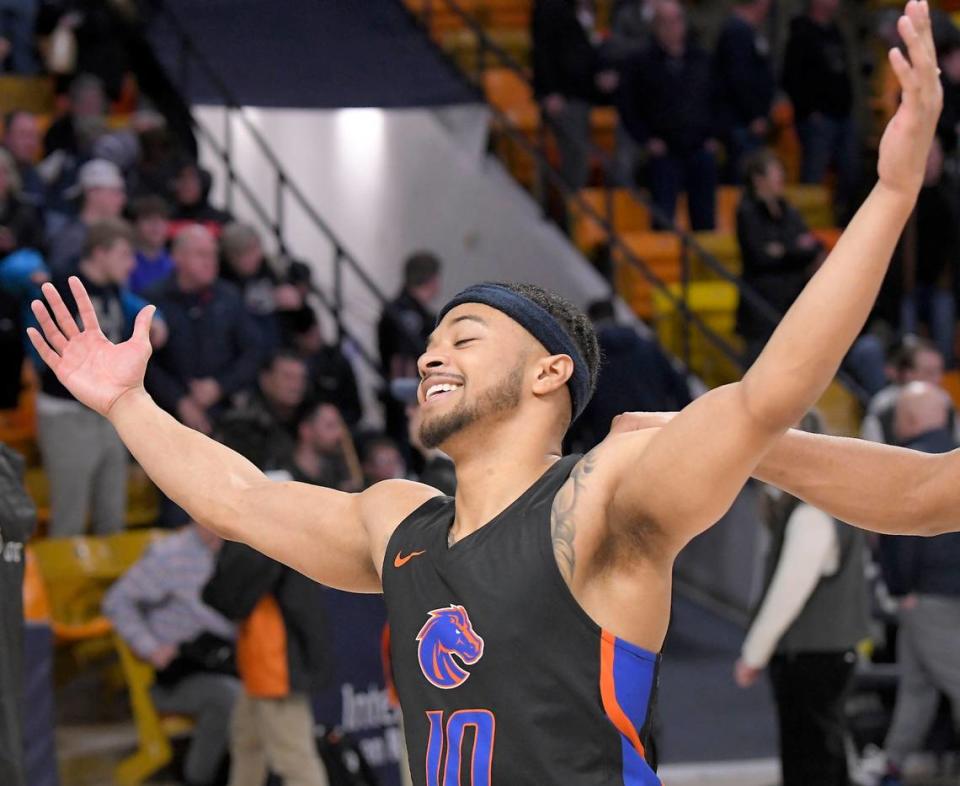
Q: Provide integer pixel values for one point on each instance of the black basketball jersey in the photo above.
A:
(503, 678)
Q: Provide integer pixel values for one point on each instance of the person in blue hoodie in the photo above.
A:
(84, 460)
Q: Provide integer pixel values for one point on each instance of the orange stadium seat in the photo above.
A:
(624, 211)
(660, 251)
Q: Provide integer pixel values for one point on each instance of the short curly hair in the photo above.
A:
(572, 319)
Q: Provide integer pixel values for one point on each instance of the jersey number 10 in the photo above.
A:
(449, 739)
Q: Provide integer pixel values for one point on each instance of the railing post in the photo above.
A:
(278, 219)
(228, 147)
(338, 291)
(685, 299)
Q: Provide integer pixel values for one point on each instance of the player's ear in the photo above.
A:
(553, 372)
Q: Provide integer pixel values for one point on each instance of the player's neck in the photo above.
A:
(492, 476)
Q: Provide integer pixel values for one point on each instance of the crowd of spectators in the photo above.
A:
(690, 114)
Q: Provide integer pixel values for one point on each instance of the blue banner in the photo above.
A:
(356, 700)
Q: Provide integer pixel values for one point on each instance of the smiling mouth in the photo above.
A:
(438, 391)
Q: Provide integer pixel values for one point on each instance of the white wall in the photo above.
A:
(391, 182)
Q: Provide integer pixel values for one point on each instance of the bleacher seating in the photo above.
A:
(154, 731)
(76, 574)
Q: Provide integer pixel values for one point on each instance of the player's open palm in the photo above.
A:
(95, 370)
(909, 135)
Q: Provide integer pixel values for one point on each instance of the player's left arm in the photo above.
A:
(684, 478)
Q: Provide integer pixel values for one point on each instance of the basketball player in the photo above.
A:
(527, 612)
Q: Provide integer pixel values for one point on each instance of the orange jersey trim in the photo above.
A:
(608, 693)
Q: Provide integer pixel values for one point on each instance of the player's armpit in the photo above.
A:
(877, 487)
(680, 479)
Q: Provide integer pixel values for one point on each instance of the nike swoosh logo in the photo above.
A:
(399, 561)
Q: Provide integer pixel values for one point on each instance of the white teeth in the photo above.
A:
(444, 388)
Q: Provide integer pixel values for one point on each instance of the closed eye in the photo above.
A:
(463, 341)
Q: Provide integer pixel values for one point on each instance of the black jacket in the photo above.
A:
(816, 70)
(565, 61)
(744, 73)
(777, 279)
(17, 521)
(924, 565)
(242, 579)
(635, 376)
(673, 99)
(403, 330)
(24, 223)
(211, 335)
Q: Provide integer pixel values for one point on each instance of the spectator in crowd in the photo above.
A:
(382, 460)
(817, 77)
(271, 411)
(923, 573)
(630, 22)
(569, 78)
(745, 80)
(636, 376)
(777, 248)
(191, 194)
(17, 49)
(283, 655)
(930, 252)
(668, 105)
(325, 454)
(153, 262)
(405, 325)
(264, 293)
(438, 470)
(214, 346)
(948, 130)
(104, 197)
(156, 608)
(915, 360)
(84, 459)
(331, 375)
(87, 102)
(811, 617)
(21, 138)
(159, 161)
(20, 225)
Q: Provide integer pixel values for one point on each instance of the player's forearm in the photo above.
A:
(877, 487)
(202, 476)
(804, 353)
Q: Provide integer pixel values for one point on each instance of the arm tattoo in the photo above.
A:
(563, 528)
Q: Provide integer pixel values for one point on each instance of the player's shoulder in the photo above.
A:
(384, 505)
(617, 453)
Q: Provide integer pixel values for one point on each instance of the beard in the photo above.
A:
(504, 396)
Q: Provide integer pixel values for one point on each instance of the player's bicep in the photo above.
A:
(316, 531)
(685, 476)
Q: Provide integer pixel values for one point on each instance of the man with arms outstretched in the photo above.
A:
(526, 612)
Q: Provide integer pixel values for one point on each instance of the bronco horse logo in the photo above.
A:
(448, 632)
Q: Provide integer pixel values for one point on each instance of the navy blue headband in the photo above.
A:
(539, 323)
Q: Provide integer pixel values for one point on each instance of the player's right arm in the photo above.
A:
(336, 538)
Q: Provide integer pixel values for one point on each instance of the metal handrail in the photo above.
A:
(486, 45)
(284, 185)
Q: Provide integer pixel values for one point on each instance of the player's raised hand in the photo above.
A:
(95, 370)
(909, 135)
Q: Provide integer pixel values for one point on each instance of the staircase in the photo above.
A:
(687, 285)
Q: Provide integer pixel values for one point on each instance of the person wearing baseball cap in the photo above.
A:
(104, 194)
